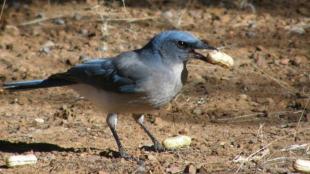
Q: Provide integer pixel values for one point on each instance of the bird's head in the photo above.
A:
(178, 46)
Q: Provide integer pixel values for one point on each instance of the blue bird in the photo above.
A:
(136, 81)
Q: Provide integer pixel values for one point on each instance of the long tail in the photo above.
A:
(34, 84)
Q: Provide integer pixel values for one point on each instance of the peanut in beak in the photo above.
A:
(215, 57)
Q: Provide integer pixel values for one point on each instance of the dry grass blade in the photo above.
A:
(130, 20)
(301, 116)
(2, 9)
(250, 117)
(265, 147)
(279, 82)
(39, 20)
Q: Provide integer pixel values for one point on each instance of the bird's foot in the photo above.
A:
(125, 155)
(158, 147)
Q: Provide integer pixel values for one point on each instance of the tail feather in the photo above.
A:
(34, 84)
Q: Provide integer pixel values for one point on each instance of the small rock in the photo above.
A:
(173, 168)
(59, 21)
(222, 143)
(151, 157)
(203, 170)
(103, 172)
(49, 44)
(183, 131)
(243, 96)
(201, 101)
(261, 61)
(284, 61)
(167, 14)
(297, 30)
(157, 121)
(240, 159)
(11, 30)
(304, 11)
(77, 16)
(40, 15)
(197, 111)
(102, 48)
(297, 61)
(190, 169)
(45, 50)
(250, 34)
(260, 48)
(84, 32)
(39, 120)
(84, 58)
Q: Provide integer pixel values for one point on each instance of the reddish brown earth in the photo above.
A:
(256, 110)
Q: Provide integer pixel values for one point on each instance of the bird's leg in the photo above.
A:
(112, 122)
(157, 146)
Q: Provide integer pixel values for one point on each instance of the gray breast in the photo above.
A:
(165, 85)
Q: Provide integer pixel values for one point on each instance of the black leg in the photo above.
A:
(157, 146)
(112, 122)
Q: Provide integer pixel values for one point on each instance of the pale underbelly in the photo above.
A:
(114, 102)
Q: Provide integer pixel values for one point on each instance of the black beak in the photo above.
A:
(202, 45)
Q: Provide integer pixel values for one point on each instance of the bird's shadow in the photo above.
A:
(21, 147)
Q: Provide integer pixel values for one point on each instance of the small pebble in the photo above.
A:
(197, 111)
(297, 30)
(77, 16)
(49, 44)
(183, 131)
(285, 61)
(59, 21)
(222, 143)
(173, 168)
(40, 15)
(102, 48)
(11, 30)
(190, 169)
(39, 120)
(84, 32)
(151, 157)
(84, 58)
(45, 50)
(243, 96)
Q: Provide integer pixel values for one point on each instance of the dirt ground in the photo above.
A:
(252, 118)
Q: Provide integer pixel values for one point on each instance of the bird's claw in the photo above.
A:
(125, 155)
(158, 147)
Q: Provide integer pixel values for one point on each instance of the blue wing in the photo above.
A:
(110, 74)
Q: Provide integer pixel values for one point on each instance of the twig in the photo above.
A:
(242, 116)
(279, 159)
(2, 9)
(255, 114)
(181, 14)
(296, 147)
(39, 20)
(279, 82)
(124, 6)
(301, 115)
(129, 20)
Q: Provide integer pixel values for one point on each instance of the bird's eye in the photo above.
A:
(182, 45)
